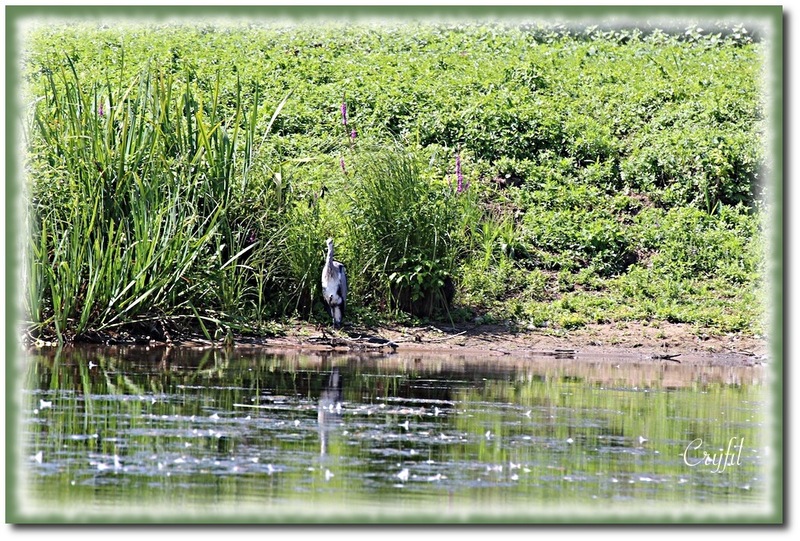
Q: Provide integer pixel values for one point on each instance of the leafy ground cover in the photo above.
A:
(187, 176)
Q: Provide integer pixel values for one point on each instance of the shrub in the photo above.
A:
(692, 243)
(401, 230)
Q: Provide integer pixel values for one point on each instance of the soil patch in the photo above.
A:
(676, 343)
(667, 342)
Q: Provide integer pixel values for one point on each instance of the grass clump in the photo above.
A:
(403, 230)
(132, 211)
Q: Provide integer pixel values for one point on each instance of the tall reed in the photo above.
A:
(403, 231)
(133, 193)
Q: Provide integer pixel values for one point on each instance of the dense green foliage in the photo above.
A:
(192, 174)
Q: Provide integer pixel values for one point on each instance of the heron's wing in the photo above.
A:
(342, 284)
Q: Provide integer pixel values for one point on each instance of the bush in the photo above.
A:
(401, 231)
(691, 243)
(572, 239)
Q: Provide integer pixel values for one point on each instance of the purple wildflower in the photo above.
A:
(459, 175)
(341, 163)
(344, 113)
(353, 135)
(100, 110)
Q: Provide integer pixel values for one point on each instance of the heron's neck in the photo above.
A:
(330, 256)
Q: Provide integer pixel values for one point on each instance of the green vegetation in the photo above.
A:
(187, 176)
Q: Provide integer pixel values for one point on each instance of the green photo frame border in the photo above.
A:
(773, 17)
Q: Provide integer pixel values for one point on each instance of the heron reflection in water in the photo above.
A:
(329, 409)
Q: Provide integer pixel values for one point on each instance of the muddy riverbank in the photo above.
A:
(677, 343)
(665, 342)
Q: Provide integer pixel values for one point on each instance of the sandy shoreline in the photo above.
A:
(625, 341)
(615, 343)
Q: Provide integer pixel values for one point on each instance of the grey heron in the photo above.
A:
(334, 286)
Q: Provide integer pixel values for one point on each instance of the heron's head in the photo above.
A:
(329, 242)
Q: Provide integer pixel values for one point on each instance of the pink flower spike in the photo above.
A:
(459, 176)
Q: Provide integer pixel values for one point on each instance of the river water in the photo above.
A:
(246, 435)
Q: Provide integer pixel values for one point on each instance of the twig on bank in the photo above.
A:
(665, 357)
(442, 339)
(367, 343)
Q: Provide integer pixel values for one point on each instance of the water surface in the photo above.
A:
(142, 433)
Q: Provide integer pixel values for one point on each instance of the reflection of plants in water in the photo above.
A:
(231, 427)
(583, 429)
